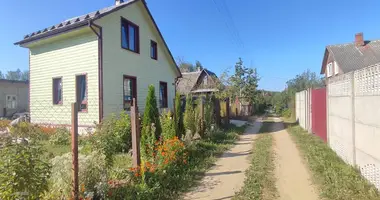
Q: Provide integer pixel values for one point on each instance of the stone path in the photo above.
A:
(293, 178)
(228, 174)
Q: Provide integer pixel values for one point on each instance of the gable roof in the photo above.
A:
(189, 79)
(86, 20)
(351, 57)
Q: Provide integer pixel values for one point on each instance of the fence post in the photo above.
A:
(74, 148)
(217, 111)
(227, 111)
(353, 118)
(135, 123)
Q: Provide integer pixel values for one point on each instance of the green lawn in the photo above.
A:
(335, 179)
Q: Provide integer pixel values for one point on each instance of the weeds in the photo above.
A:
(260, 180)
(336, 179)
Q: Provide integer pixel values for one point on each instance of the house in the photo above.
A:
(13, 97)
(101, 60)
(202, 81)
(343, 58)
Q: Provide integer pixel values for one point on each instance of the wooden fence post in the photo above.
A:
(74, 149)
(135, 123)
(217, 112)
(227, 111)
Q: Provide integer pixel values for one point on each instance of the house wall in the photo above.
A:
(13, 88)
(63, 56)
(118, 61)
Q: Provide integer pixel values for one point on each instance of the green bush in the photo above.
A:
(167, 124)
(23, 168)
(287, 113)
(189, 116)
(209, 115)
(199, 119)
(92, 172)
(60, 137)
(112, 136)
(179, 126)
(151, 126)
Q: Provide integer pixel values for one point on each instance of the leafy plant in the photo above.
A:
(189, 116)
(209, 114)
(199, 119)
(60, 137)
(179, 126)
(167, 124)
(92, 172)
(23, 169)
(150, 119)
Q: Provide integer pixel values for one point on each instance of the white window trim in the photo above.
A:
(329, 69)
(336, 68)
(10, 104)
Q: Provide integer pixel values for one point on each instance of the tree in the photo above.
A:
(198, 65)
(25, 75)
(151, 129)
(179, 127)
(1, 75)
(14, 75)
(185, 66)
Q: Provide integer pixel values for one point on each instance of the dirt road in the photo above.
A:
(227, 177)
(293, 178)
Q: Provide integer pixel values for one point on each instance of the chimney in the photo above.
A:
(359, 41)
(118, 2)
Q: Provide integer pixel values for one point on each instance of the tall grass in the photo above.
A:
(336, 179)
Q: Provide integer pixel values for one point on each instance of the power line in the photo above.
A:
(222, 8)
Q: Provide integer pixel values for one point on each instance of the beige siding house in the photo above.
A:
(13, 97)
(101, 60)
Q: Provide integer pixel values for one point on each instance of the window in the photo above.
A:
(336, 68)
(163, 95)
(81, 92)
(57, 91)
(11, 101)
(153, 49)
(129, 91)
(329, 70)
(130, 36)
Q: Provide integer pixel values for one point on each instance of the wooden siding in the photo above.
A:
(64, 56)
(118, 61)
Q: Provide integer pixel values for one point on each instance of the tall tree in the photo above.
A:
(1, 75)
(198, 65)
(185, 66)
(14, 75)
(25, 75)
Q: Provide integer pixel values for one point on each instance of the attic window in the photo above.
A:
(329, 70)
(153, 50)
(130, 36)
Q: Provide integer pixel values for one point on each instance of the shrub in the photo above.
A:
(200, 126)
(209, 114)
(286, 113)
(179, 126)
(151, 116)
(92, 172)
(60, 137)
(171, 151)
(112, 136)
(189, 116)
(167, 124)
(4, 124)
(23, 170)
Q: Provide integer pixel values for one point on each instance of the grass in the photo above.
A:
(260, 179)
(336, 179)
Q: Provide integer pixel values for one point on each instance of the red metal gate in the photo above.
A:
(318, 110)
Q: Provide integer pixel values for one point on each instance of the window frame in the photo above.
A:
(6, 101)
(163, 104)
(125, 22)
(153, 45)
(329, 69)
(54, 91)
(77, 93)
(134, 90)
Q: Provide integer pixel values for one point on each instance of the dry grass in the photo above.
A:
(336, 179)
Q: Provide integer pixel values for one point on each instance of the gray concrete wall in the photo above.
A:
(21, 90)
(353, 120)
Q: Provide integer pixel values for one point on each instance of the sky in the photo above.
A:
(279, 38)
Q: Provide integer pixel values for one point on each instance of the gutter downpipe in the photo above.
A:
(99, 34)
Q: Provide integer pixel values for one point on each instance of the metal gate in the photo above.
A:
(318, 107)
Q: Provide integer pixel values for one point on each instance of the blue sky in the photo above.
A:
(279, 38)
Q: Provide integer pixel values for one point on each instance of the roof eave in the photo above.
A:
(52, 33)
